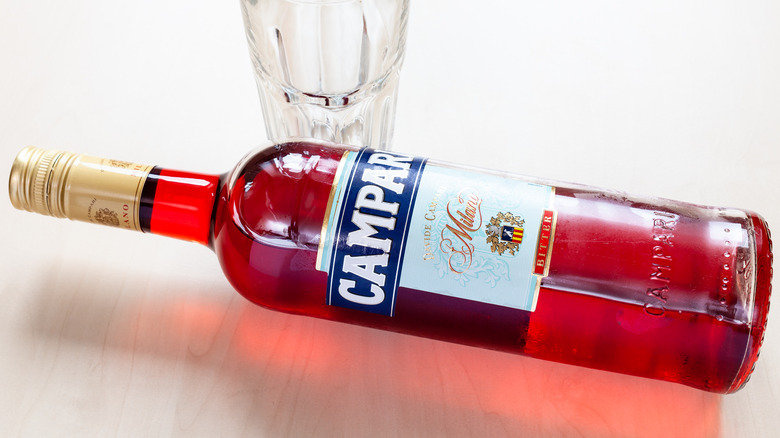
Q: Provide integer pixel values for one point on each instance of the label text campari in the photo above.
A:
(397, 221)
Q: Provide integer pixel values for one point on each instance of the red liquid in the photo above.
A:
(654, 290)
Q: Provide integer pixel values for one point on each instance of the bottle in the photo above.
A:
(648, 287)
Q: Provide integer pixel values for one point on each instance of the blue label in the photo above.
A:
(454, 232)
(367, 225)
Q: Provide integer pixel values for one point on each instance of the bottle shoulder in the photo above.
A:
(278, 194)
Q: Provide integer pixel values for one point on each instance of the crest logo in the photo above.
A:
(105, 216)
(505, 233)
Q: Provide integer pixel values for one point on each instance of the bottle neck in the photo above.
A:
(178, 204)
(115, 193)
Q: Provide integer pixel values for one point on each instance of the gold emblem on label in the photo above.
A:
(120, 164)
(105, 216)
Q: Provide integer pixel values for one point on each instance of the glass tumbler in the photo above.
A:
(327, 69)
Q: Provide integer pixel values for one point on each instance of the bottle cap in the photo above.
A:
(37, 180)
(78, 187)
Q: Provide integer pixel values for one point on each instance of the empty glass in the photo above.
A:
(327, 69)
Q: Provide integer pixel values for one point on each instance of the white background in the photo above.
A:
(109, 333)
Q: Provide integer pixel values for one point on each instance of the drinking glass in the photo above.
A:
(327, 69)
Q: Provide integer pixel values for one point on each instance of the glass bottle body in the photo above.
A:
(647, 287)
(641, 286)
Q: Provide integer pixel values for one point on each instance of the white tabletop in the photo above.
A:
(110, 333)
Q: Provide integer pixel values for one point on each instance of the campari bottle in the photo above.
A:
(643, 286)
